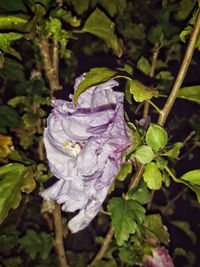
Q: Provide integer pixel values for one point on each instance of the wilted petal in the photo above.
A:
(84, 146)
(160, 258)
(53, 191)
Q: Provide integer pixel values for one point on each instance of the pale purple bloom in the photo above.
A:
(84, 146)
(159, 258)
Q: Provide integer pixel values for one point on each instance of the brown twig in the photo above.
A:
(50, 65)
(59, 236)
(103, 248)
(182, 72)
(55, 62)
(137, 176)
(47, 63)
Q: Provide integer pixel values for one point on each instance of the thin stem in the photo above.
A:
(146, 109)
(136, 178)
(59, 236)
(173, 200)
(154, 60)
(105, 245)
(190, 135)
(153, 105)
(182, 72)
(156, 50)
(171, 174)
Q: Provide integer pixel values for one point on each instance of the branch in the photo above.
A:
(55, 62)
(172, 97)
(182, 72)
(59, 236)
(51, 72)
(105, 245)
(136, 178)
(48, 65)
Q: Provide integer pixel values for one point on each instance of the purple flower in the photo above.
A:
(84, 146)
(159, 258)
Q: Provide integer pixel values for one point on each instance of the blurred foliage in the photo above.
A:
(144, 42)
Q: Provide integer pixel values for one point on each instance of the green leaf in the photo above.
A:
(164, 75)
(193, 177)
(8, 238)
(185, 227)
(191, 93)
(29, 183)
(30, 119)
(155, 34)
(161, 162)
(80, 5)
(190, 176)
(10, 5)
(9, 117)
(144, 154)
(14, 22)
(113, 6)
(66, 16)
(184, 9)
(101, 26)
(156, 137)
(125, 169)
(104, 263)
(6, 40)
(93, 77)
(174, 151)
(152, 176)
(140, 193)
(15, 101)
(140, 91)
(143, 65)
(13, 262)
(154, 224)
(125, 215)
(11, 179)
(186, 254)
(36, 244)
(185, 33)
(12, 70)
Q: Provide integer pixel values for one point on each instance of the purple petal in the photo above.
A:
(84, 146)
(160, 258)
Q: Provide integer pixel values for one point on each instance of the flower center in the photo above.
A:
(75, 149)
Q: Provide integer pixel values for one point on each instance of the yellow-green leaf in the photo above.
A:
(11, 179)
(141, 92)
(191, 93)
(101, 26)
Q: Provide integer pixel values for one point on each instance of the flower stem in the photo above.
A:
(182, 72)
